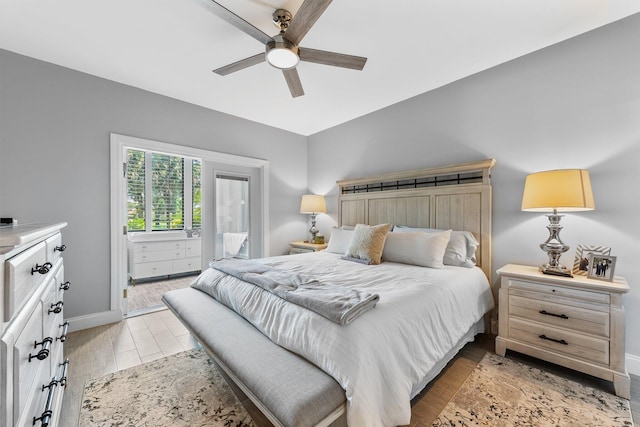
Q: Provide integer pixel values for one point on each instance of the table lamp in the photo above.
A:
(313, 204)
(565, 190)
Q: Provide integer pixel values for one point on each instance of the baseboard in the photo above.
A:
(96, 319)
(633, 364)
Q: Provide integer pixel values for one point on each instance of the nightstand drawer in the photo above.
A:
(552, 293)
(560, 340)
(566, 316)
(293, 250)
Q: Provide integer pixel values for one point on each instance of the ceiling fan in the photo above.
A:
(283, 51)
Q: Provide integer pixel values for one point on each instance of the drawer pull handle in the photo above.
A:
(65, 286)
(56, 308)
(544, 337)
(60, 248)
(63, 378)
(65, 327)
(546, 313)
(42, 269)
(44, 351)
(45, 417)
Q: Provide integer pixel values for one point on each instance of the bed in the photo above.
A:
(384, 356)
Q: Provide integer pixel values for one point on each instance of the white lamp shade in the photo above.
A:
(564, 190)
(312, 204)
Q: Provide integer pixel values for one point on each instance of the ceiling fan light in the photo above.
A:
(282, 55)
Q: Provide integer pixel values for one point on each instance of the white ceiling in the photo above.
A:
(170, 47)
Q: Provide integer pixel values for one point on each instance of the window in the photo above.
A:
(196, 191)
(163, 191)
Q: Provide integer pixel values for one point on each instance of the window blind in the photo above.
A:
(167, 184)
(196, 170)
(136, 190)
(163, 191)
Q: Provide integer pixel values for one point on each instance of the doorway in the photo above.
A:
(234, 212)
(254, 172)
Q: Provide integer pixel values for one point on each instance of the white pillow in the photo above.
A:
(461, 249)
(368, 242)
(423, 249)
(339, 240)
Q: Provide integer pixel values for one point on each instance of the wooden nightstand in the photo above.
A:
(301, 246)
(575, 322)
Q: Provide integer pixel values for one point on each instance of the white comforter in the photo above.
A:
(380, 356)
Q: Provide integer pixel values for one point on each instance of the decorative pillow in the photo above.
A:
(461, 249)
(368, 242)
(423, 249)
(339, 240)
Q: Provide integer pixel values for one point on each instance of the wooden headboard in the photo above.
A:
(456, 197)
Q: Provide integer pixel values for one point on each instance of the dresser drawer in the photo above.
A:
(560, 340)
(54, 248)
(566, 316)
(187, 264)
(165, 255)
(194, 248)
(552, 293)
(23, 273)
(151, 269)
(158, 246)
(26, 370)
(44, 404)
(33, 408)
(61, 285)
(52, 306)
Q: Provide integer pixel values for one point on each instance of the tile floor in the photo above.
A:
(104, 349)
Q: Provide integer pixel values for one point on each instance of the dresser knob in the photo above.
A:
(42, 269)
(65, 286)
(65, 327)
(60, 248)
(56, 308)
(44, 351)
(63, 378)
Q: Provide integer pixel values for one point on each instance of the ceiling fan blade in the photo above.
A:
(293, 81)
(332, 58)
(240, 65)
(233, 19)
(304, 19)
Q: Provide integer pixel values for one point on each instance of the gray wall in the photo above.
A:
(54, 160)
(573, 105)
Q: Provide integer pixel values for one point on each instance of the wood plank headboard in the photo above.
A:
(454, 197)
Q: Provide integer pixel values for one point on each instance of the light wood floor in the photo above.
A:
(146, 296)
(105, 349)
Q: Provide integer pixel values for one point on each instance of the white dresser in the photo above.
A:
(575, 322)
(33, 372)
(162, 254)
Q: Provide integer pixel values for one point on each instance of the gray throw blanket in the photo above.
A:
(336, 303)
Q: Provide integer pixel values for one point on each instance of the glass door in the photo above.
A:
(232, 215)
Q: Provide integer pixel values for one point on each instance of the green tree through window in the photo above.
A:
(135, 190)
(163, 177)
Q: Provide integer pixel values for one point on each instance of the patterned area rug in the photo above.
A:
(185, 389)
(503, 392)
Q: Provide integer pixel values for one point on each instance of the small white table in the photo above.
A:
(302, 246)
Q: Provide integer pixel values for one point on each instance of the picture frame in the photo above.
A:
(601, 267)
(581, 262)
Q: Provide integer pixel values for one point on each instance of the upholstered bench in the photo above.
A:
(288, 389)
